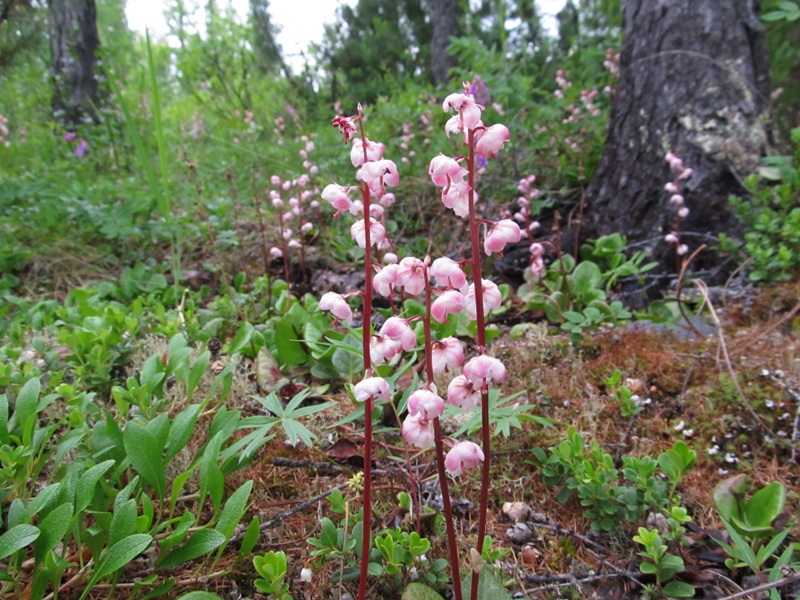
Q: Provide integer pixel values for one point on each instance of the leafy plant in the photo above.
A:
(272, 568)
(771, 217)
(753, 517)
(590, 473)
(662, 565)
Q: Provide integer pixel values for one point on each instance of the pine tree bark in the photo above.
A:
(444, 24)
(694, 80)
(74, 44)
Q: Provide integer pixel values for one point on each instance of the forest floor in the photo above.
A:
(731, 392)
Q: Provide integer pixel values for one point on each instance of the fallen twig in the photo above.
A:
(763, 587)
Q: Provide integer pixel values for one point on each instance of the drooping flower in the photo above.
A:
(463, 456)
(492, 298)
(374, 151)
(491, 140)
(456, 196)
(383, 349)
(376, 388)
(418, 431)
(462, 392)
(426, 403)
(376, 231)
(444, 169)
(448, 273)
(384, 280)
(411, 275)
(451, 302)
(469, 112)
(447, 353)
(337, 196)
(336, 304)
(503, 232)
(399, 330)
(377, 174)
(484, 369)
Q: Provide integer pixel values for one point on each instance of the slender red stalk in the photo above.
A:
(481, 327)
(437, 436)
(366, 540)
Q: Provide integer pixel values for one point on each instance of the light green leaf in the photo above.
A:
(419, 591)
(202, 542)
(88, 482)
(16, 538)
(234, 509)
(145, 455)
(117, 556)
(27, 400)
(489, 586)
(181, 430)
(53, 528)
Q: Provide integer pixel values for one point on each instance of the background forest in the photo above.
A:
(180, 412)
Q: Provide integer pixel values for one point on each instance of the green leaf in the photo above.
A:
(242, 338)
(117, 556)
(765, 505)
(27, 400)
(88, 482)
(123, 523)
(16, 538)
(196, 372)
(678, 589)
(234, 509)
(728, 495)
(53, 528)
(181, 430)
(3, 419)
(202, 542)
(290, 350)
(250, 538)
(198, 595)
(489, 586)
(145, 455)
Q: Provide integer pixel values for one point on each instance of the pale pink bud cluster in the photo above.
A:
(611, 63)
(4, 132)
(677, 200)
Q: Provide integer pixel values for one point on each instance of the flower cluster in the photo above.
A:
(296, 212)
(81, 147)
(4, 131)
(677, 201)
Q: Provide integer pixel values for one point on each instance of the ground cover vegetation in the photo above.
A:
(241, 359)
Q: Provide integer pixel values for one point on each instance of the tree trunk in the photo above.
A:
(694, 80)
(74, 44)
(444, 24)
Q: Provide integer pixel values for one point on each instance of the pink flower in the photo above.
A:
(447, 354)
(374, 151)
(377, 174)
(444, 169)
(462, 456)
(418, 431)
(502, 233)
(376, 231)
(382, 348)
(462, 392)
(384, 280)
(337, 304)
(469, 113)
(456, 196)
(483, 369)
(492, 298)
(399, 330)
(491, 140)
(347, 125)
(448, 273)
(337, 196)
(450, 302)
(69, 136)
(275, 252)
(425, 403)
(411, 275)
(371, 387)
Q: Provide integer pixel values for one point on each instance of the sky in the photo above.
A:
(301, 21)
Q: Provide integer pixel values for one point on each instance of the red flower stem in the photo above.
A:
(481, 327)
(437, 436)
(366, 539)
